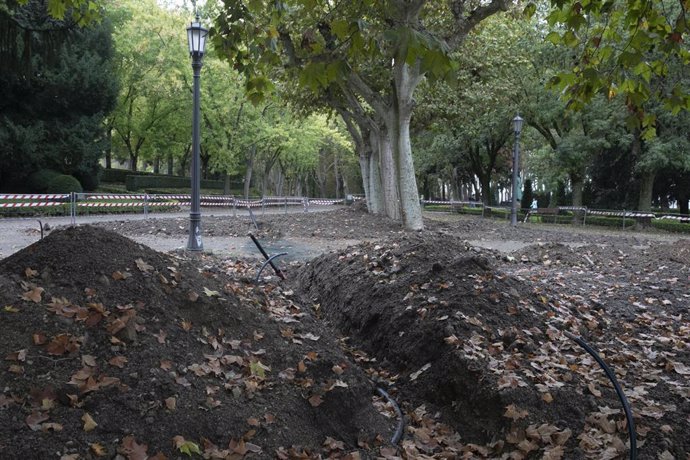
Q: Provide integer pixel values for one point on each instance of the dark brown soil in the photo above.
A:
(469, 340)
(185, 348)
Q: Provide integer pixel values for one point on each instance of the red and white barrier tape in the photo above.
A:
(35, 197)
(40, 204)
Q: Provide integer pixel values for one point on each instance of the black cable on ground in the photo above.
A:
(278, 271)
(619, 391)
(401, 420)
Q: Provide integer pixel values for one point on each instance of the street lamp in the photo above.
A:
(196, 36)
(517, 128)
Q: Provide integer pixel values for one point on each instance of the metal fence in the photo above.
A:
(74, 204)
(579, 214)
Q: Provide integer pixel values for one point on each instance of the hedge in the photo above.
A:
(611, 221)
(671, 225)
(134, 183)
(120, 175)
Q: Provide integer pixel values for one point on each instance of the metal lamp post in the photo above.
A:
(517, 128)
(196, 36)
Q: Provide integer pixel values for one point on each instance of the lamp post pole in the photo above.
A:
(196, 35)
(517, 128)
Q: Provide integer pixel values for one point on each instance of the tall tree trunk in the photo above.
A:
(375, 199)
(336, 173)
(109, 149)
(157, 165)
(171, 164)
(646, 191)
(406, 79)
(226, 185)
(683, 199)
(249, 163)
(577, 184)
(391, 198)
(485, 182)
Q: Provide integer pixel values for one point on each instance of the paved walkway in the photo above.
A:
(18, 233)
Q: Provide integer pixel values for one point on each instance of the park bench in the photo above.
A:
(543, 212)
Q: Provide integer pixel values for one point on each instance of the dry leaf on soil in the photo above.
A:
(89, 422)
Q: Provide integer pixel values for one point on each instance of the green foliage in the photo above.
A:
(621, 48)
(38, 182)
(670, 225)
(53, 116)
(64, 183)
(151, 181)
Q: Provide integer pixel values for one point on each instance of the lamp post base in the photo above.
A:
(194, 243)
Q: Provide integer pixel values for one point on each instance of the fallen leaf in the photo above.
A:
(39, 338)
(315, 400)
(34, 295)
(30, 273)
(210, 293)
(88, 360)
(132, 449)
(17, 356)
(186, 325)
(337, 369)
(681, 368)
(118, 275)
(118, 361)
(143, 266)
(89, 422)
(192, 296)
(593, 389)
(251, 421)
(11, 309)
(514, 413)
(161, 336)
(35, 419)
(186, 447)
(171, 403)
(97, 449)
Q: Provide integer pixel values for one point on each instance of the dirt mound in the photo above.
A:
(342, 223)
(111, 347)
(474, 343)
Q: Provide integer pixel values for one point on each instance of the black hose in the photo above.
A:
(278, 271)
(619, 391)
(401, 420)
(270, 260)
(40, 224)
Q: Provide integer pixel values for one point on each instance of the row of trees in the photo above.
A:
(133, 106)
(422, 91)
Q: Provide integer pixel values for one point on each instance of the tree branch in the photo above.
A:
(465, 23)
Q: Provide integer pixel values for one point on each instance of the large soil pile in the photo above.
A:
(111, 347)
(487, 351)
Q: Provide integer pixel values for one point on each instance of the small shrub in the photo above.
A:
(38, 182)
(64, 184)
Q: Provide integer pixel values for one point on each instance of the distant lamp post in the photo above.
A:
(517, 128)
(196, 36)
